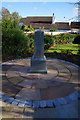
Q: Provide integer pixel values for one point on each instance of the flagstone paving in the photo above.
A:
(23, 89)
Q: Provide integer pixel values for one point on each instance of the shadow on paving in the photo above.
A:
(71, 110)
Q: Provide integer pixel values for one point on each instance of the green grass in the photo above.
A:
(73, 48)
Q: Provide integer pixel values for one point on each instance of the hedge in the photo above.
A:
(16, 43)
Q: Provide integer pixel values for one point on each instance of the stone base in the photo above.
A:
(38, 65)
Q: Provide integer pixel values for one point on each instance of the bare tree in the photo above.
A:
(77, 6)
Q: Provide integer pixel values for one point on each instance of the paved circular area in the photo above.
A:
(20, 85)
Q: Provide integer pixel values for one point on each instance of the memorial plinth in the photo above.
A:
(38, 60)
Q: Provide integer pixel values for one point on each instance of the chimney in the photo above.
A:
(53, 19)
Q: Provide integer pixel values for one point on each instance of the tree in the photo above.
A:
(14, 41)
(10, 21)
(16, 18)
(5, 14)
(77, 6)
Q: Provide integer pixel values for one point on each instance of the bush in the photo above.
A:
(64, 38)
(27, 28)
(48, 41)
(14, 43)
(76, 40)
(53, 30)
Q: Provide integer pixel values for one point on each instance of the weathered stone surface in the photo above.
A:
(5, 97)
(41, 84)
(68, 100)
(74, 96)
(26, 83)
(0, 95)
(10, 74)
(42, 103)
(21, 104)
(56, 103)
(28, 103)
(61, 101)
(49, 103)
(10, 89)
(29, 94)
(21, 100)
(16, 80)
(79, 94)
(15, 102)
(36, 104)
(10, 99)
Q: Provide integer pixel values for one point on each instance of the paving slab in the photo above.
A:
(10, 89)
(16, 80)
(57, 92)
(11, 74)
(26, 83)
(29, 94)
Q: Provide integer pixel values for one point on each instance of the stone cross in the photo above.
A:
(38, 60)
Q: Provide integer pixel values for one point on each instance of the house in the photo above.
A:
(49, 22)
(39, 22)
(62, 26)
(75, 27)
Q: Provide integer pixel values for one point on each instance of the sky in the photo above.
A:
(63, 10)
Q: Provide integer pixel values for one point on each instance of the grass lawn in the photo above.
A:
(59, 52)
(65, 52)
(73, 48)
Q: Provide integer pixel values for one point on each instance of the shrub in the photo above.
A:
(24, 28)
(14, 43)
(64, 38)
(27, 28)
(77, 40)
(78, 52)
(53, 30)
(48, 41)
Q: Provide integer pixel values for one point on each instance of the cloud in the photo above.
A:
(35, 8)
(10, 0)
(45, 1)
